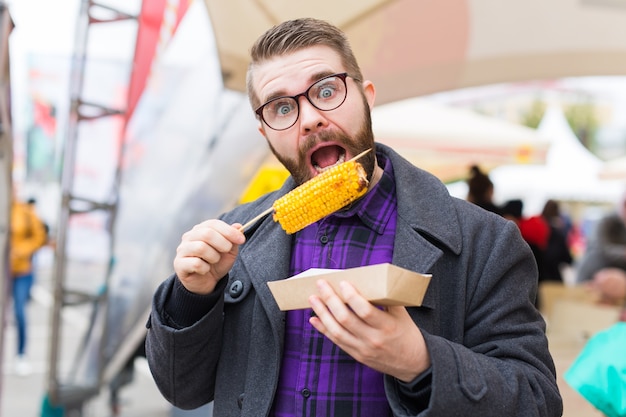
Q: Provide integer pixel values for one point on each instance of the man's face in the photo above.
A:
(319, 138)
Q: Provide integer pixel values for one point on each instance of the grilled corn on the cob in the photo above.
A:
(319, 197)
(322, 195)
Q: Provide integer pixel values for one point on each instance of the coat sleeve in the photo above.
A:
(501, 365)
(183, 361)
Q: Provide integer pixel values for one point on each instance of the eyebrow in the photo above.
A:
(312, 80)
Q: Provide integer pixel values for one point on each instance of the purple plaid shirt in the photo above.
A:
(317, 378)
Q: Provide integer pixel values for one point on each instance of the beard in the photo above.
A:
(363, 140)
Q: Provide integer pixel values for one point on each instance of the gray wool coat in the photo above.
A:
(486, 340)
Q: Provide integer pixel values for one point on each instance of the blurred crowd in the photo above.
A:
(551, 235)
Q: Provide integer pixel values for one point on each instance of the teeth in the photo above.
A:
(341, 159)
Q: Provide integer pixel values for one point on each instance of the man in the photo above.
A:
(475, 348)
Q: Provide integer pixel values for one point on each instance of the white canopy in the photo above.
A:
(447, 141)
(412, 48)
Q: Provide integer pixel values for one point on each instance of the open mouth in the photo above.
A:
(327, 156)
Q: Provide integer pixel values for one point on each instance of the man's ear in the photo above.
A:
(370, 93)
(261, 129)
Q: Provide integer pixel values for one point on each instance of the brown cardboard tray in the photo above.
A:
(382, 284)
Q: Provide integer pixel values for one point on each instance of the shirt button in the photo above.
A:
(324, 239)
(306, 393)
(236, 288)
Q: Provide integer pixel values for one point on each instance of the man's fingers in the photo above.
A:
(206, 253)
(336, 318)
(365, 310)
(190, 265)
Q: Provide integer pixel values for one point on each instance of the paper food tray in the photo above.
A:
(382, 284)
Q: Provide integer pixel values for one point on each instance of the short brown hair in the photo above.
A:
(293, 35)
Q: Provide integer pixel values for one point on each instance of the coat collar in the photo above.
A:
(424, 203)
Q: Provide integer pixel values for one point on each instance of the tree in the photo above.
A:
(532, 117)
(583, 121)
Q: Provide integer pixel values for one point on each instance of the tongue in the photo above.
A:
(326, 156)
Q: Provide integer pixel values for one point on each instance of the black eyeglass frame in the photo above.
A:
(342, 76)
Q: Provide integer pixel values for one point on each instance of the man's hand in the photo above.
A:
(206, 253)
(386, 340)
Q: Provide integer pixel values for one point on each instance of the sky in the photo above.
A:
(48, 27)
(43, 26)
(40, 27)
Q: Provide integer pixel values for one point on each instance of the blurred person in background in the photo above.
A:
(535, 231)
(32, 202)
(557, 253)
(28, 234)
(603, 265)
(480, 190)
(610, 284)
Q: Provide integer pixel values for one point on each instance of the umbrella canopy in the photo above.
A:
(447, 141)
(411, 48)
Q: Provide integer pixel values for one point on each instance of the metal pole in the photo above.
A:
(69, 162)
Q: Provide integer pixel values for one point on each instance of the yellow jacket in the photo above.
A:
(27, 235)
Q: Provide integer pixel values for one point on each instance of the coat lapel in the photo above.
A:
(421, 222)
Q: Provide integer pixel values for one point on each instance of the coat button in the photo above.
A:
(306, 393)
(324, 239)
(236, 288)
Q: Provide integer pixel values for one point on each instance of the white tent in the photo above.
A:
(614, 169)
(570, 173)
(446, 141)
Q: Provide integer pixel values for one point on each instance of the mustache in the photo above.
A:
(323, 137)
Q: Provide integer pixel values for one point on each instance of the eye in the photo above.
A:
(281, 107)
(326, 90)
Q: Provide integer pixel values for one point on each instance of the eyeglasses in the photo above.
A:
(327, 94)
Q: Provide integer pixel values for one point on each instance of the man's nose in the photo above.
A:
(311, 117)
